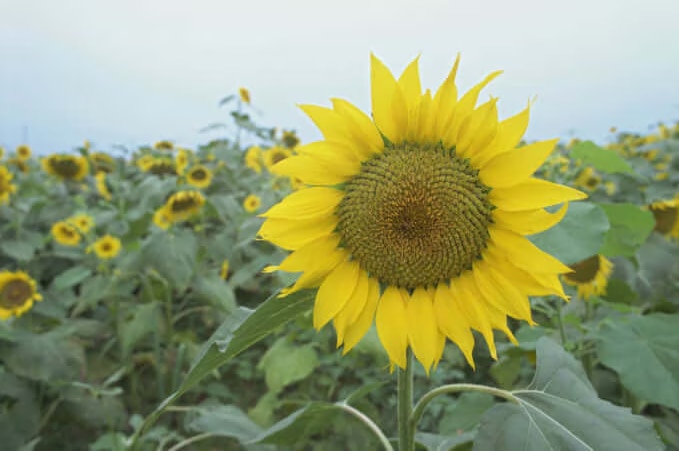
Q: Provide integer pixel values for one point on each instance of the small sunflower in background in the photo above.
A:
(666, 214)
(590, 276)
(199, 176)
(244, 95)
(252, 203)
(181, 160)
(66, 167)
(224, 270)
(144, 162)
(290, 139)
(106, 247)
(184, 205)
(253, 158)
(415, 218)
(275, 155)
(21, 165)
(7, 188)
(83, 222)
(2, 152)
(23, 152)
(164, 145)
(588, 179)
(161, 218)
(162, 166)
(101, 162)
(17, 293)
(102, 187)
(65, 234)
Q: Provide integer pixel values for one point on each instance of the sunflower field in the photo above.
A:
(149, 299)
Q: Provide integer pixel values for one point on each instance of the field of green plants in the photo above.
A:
(135, 313)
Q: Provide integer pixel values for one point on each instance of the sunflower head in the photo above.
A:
(275, 155)
(199, 176)
(65, 233)
(105, 247)
(83, 222)
(588, 179)
(164, 145)
(666, 214)
(23, 152)
(184, 205)
(224, 271)
(101, 162)
(144, 162)
(7, 188)
(162, 166)
(17, 293)
(181, 160)
(252, 203)
(290, 139)
(253, 158)
(244, 95)
(590, 276)
(102, 187)
(161, 218)
(66, 167)
(416, 218)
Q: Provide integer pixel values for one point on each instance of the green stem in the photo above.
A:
(190, 440)
(368, 422)
(587, 361)
(406, 429)
(562, 331)
(455, 388)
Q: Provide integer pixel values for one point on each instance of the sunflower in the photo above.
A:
(290, 139)
(23, 152)
(17, 293)
(244, 95)
(144, 162)
(162, 166)
(82, 222)
(252, 203)
(22, 166)
(161, 218)
(7, 188)
(65, 233)
(102, 187)
(181, 160)
(224, 271)
(101, 162)
(199, 176)
(588, 179)
(66, 167)
(590, 276)
(253, 158)
(666, 213)
(105, 247)
(417, 218)
(183, 205)
(164, 145)
(2, 152)
(275, 155)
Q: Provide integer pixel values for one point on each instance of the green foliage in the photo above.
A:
(600, 159)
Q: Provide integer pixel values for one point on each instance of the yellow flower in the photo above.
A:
(105, 247)
(66, 167)
(253, 158)
(590, 276)
(101, 162)
(102, 187)
(588, 179)
(161, 218)
(666, 213)
(21, 165)
(417, 218)
(244, 95)
(650, 155)
(610, 188)
(82, 222)
(17, 293)
(252, 203)
(164, 145)
(275, 155)
(162, 166)
(199, 176)
(290, 139)
(65, 233)
(184, 205)
(661, 176)
(224, 272)
(144, 163)
(23, 152)
(7, 188)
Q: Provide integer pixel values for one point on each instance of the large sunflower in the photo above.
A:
(199, 176)
(66, 167)
(666, 214)
(418, 218)
(17, 293)
(183, 205)
(7, 188)
(590, 276)
(65, 233)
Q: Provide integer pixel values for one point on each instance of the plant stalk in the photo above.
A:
(406, 429)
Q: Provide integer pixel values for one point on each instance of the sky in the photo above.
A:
(133, 72)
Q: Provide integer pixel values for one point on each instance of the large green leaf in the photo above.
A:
(313, 418)
(223, 421)
(600, 159)
(20, 250)
(645, 354)
(569, 241)
(658, 264)
(215, 290)
(630, 227)
(285, 363)
(141, 321)
(71, 277)
(46, 357)
(172, 255)
(560, 410)
(20, 417)
(465, 412)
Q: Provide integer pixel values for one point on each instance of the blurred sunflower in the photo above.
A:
(21, 165)
(83, 222)
(162, 166)
(588, 179)
(17, 293)
(224, 271)
(290, 139)
(610, 188)
(181, 160)
(275, 155)
(2, 152)
(252, 203)
(161, 218)
(144, 162)
(101, 162)
(7, 188)
(102, 187)
(666, 214)
(253, 158)
(418, 218)
(164, 145)
(244, 95)
(199, 176)
(66, 167)
(23, 152)
(105, 247)
(590, 276)
(65, 233)
(183, 205)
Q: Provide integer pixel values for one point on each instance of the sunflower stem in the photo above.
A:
(559, 319)
(587, 362)
(406, 428)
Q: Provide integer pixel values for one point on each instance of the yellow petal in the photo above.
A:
(314, 277)
(510, 168)
(389, 108)
(312, 255)
(498, 320)
(528, 222)
(362, 129)
(306, 203)
(329, 122)
(445, 100)
(472, 306)
(478, 129)
(533, 194)
(334, 292)
(452, 322)
(410, 86)
(353, 307)
(311, 171)
(509, 134)
(392, 324)
(292, 234)
(523, 253)
(500, 293)
(440, 347)
(422, 328)
(423, 130)
(355, 331)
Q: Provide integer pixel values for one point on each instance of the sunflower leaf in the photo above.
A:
(173, 256)
(645, 354)
(630, 226)
(561, 410)
(600, 159)
(285, 363)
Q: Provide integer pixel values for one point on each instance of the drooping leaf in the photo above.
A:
(630, 227)
(45, 357)
(560, 410)
(142, 320)
(216, 291)
(225, 421)
(172, 255)
(645, 353)
(600, 159)
(285, 363)
(21, 250)
(313, 418)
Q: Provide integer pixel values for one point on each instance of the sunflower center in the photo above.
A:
(184, 204)
(585, 271)
(106, 247)
(278, 156)
(415, 215)
(198, 174)
(68, 168)
(15, 293)
(665, 218)
(68, 232)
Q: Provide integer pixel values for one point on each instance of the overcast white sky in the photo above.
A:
(135, 71)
